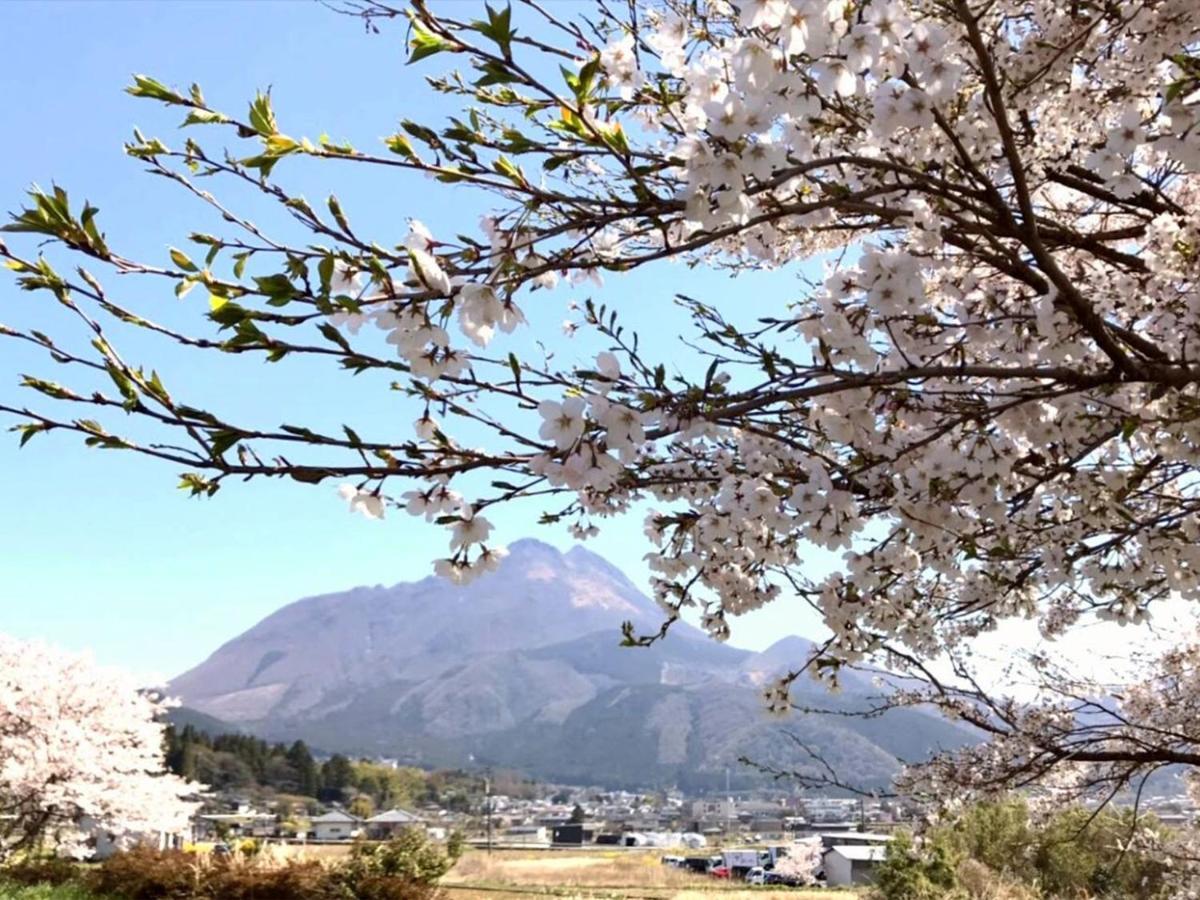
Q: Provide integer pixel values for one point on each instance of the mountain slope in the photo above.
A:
(300, 658)
(523, 669)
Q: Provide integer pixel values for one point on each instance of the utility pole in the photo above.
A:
(487, 800)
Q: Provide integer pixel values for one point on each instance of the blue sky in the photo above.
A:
(99, 549)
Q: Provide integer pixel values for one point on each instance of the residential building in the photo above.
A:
(336, 825)
(388, 824)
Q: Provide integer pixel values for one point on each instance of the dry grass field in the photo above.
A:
(593, 875)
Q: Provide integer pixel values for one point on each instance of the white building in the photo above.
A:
(336, 825)
(850, 865)
(389, 824)
(526, 834)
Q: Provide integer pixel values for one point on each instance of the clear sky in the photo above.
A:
(99, 549)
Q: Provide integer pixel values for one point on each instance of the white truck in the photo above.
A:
(739, 862)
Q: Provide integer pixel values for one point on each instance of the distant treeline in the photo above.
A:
(242, 763)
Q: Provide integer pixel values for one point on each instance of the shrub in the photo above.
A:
(979, 882)
(12, 891)
(998, 850)
(911, 873)
(406, 868)
(144, 873)
(40, 870)
(409, 856)
(291, 881)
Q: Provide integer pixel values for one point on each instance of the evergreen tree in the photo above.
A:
(337, 774)
(308, 779)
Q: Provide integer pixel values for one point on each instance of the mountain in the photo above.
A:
(523, 669)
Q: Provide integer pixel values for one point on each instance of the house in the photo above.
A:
(244, 823)
(389, 824)
(847, 865)
(721, 810)
(336, 825)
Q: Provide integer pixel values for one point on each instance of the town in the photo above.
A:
(736, 835)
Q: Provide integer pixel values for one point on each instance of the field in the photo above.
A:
(522, 874)
(526, 874)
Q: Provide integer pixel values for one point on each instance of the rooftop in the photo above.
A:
(860, 853)
(395, 816)
(334, 815)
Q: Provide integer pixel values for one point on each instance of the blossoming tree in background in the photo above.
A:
(987, 403)
(80, 755)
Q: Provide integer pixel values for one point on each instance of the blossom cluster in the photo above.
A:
(81, 752)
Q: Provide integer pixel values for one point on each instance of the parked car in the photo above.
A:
(673, 861)
(779, 878)
(757, 875)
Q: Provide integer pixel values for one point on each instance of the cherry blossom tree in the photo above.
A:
(81, 752)
(803, 862)
(982, 395)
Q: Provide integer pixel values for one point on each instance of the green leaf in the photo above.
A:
(262, 117)
(309, 475)
(325, 271)
(335, 336)
(425, 43)
(498, 28)
(515, 365)
(204, 117)
(335, 209)
(278, 288)
(197, 484)
(281, 145)
(29, 430)
(401, 145)
(495, 73)
(264, 163)
(222, 440)
(506, 167)
(181, 259)
(144, 86)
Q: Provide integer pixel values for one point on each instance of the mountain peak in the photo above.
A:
(527, 547)
(308, 655)
(792, 646)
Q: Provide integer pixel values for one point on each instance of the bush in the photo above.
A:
(144, 873)
(71, 891)
(291, 881)
(406, 868)
(911, 873)
(40, 870)
(998, 850)
(409, 855)
(978, 882)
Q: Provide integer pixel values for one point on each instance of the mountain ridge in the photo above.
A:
(524, 668)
